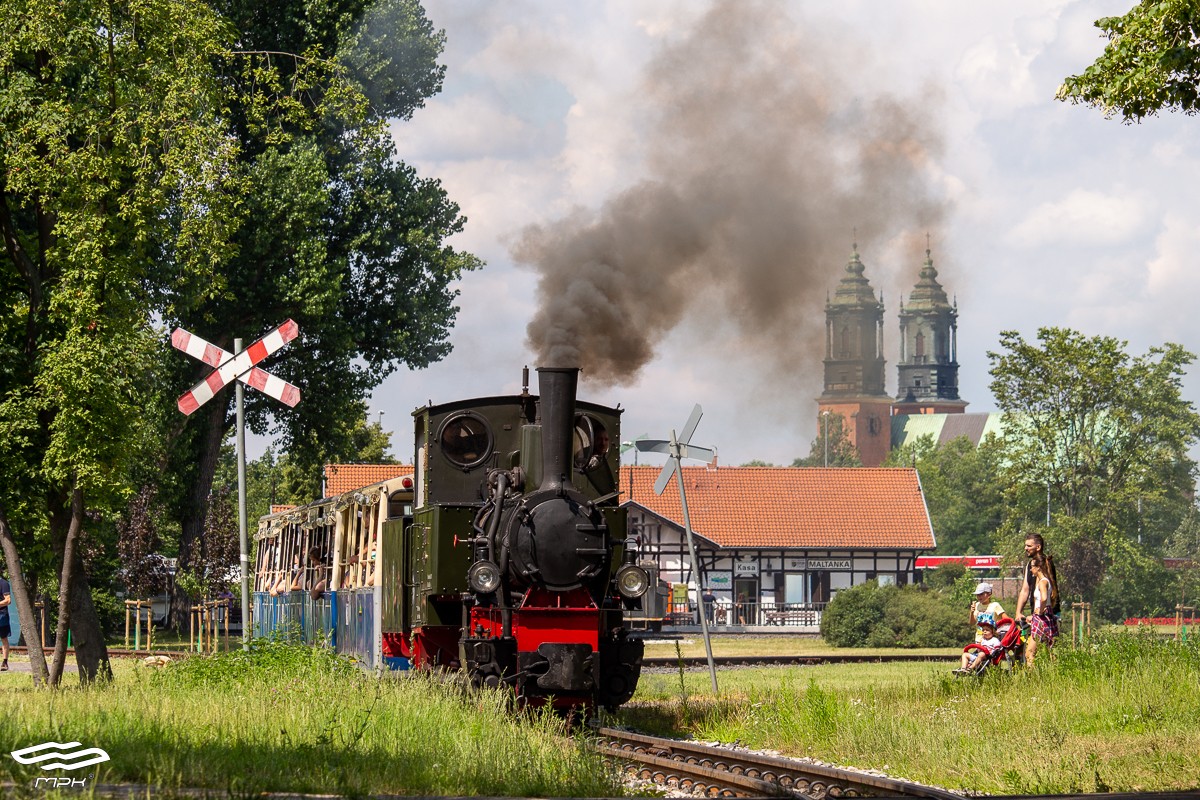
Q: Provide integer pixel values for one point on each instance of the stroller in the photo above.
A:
(1010, 652)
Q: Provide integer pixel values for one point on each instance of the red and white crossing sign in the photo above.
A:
(240, 367)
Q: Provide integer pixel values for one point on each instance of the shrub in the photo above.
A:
(853, 613)
(917, 617)
(869, 615)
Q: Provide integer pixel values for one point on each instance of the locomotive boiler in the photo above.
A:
(504, 556)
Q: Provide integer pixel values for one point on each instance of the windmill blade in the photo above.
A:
(653, 446)
(690, 426)
(696, 452)
(665, 476)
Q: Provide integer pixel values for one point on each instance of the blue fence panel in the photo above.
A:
(356, 624)
(293, 616)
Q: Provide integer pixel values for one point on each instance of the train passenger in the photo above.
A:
(320, 574)
(290, 581)
(367, 559)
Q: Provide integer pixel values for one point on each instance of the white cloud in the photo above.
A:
(1082, 217)
(1173, 279)
(437, 133)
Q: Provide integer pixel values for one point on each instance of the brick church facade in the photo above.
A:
(854, 364)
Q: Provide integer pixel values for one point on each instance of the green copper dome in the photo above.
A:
(928, 294)
(855, 290)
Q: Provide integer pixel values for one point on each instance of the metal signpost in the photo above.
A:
(239, 366)
(679, 449)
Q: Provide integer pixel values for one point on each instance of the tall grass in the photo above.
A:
(1118, 714)
(289, 718)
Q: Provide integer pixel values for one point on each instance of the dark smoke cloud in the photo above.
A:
(767, 150)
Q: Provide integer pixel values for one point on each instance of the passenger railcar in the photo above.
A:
(505, 555)
(319, 569)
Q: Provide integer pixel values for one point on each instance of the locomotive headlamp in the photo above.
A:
(484, 577)
(632, 581)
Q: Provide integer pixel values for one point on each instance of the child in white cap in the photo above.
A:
(987, 642)
(984, 604)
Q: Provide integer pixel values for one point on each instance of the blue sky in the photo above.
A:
(893, 119)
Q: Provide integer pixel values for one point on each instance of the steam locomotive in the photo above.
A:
(504, 555)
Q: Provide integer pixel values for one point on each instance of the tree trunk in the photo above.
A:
(192, 525)
(21, 598)
(64, 587)
(87, 637)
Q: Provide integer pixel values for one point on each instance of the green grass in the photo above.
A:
(1116, 715)
(286, 718)
(786, 645)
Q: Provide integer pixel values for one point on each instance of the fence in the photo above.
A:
(764, 614)
(292, 615)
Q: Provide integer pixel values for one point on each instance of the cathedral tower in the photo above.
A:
(854, 365)
(928, 368)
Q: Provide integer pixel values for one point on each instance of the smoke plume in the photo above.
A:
(767, 149)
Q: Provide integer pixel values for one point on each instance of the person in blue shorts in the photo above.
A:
(5, 629)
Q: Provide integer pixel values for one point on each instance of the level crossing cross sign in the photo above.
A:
(240, 366)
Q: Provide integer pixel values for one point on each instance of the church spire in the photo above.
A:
(927, 373)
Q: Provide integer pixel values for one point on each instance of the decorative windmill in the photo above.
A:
(679, 448)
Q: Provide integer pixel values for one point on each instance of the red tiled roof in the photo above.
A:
(279, 509)
(341, 478)
(792, 506)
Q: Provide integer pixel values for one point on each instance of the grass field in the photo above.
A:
(1117, 715)
(294, 719)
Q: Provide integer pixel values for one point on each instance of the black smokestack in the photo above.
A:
(556, 401)
(766, 151)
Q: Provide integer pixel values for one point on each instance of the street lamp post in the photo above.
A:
(825, 420)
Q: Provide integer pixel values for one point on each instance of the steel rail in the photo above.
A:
(743, 661)
(727, 771)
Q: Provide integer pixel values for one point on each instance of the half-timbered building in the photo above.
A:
(774, 544)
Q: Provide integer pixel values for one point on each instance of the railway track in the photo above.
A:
(691, 662)
(723, 772)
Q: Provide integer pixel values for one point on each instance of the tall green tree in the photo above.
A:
(1098, 429)
(122, 191)
(962, 488)
(832, 447)
(1151, 63)
(93, 160)
(341, 236)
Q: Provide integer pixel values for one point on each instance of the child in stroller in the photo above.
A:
(1003, 645)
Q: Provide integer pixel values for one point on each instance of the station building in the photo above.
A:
(773, 543)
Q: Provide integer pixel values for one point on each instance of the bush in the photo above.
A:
(870, 615)
(853, 613)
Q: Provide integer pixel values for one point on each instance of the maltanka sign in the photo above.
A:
(814, 564)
